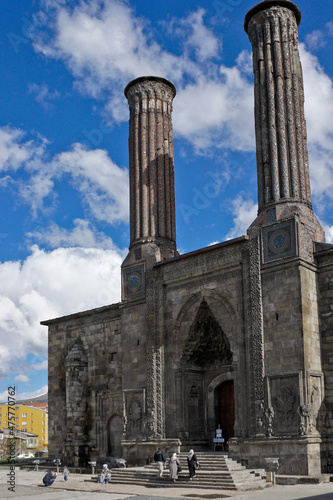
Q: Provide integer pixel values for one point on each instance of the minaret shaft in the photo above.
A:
(280, 127)
(152, 200)
(152, 187)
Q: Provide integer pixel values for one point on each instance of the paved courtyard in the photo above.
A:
(28, 484)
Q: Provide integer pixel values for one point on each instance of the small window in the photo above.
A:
(112, 356)
(24, 423)
(43, 438)
(24, 415)
(17, 407)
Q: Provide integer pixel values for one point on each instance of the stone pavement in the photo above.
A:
(28, 484)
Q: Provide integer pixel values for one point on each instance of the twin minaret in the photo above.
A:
(152, 185)
(281, 145)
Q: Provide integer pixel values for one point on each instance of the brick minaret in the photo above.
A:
(280, 126)
(152, 191)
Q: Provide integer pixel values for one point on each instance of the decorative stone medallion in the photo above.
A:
(133, 281)
(279, 241)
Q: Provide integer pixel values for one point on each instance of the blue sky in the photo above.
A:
(63, 146)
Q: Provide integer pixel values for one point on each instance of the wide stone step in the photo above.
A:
(217, 471)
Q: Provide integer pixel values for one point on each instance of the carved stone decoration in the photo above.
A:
(269, 414)
(284, 396)
(207, 344)
(282, 155)
(285, 402)
(76, 402)
(134, 425)
(195, 407)
(256, 337)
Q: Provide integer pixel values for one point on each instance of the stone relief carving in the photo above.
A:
(285, 402)
(269, 414)
(134, 421)
(207, 344)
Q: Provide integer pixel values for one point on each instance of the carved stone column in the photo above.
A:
(282, 155)
(151, 168)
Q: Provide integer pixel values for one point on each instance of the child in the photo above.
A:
(66, 473)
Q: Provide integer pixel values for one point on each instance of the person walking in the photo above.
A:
(192, 463)
(66, 473)
(174, 467)
(160, 459)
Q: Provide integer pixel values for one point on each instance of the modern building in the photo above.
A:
(236, 335)
(26, 419)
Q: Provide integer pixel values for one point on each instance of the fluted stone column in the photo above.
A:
(151, 170)
(280, 127)
(152, 198)
(282, 155)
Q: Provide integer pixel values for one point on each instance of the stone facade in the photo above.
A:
(239, 334)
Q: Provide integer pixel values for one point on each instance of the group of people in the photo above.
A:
(105, 476)
(51, 476)
(174, 464)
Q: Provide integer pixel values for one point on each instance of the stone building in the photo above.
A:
(239, 334)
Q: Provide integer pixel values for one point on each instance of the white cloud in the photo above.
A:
(43, 95)
(22, 378)
(40, 366)
(244, 212)
(217, 112)
(319, 112)
(12, 152)
(103, 185)
(48, 285)
(315, 40)
(198, 36)
(103, 42)
(82, 235)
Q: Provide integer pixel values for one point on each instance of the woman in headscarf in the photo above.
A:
(191, 462)
(173, 466)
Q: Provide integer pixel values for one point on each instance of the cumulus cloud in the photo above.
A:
(48, 285)
(12, 151)
(217, 111)
(319, 112)
(83, 235)
(103, 42)
(104, 45)
(101, 184)
(244, 212)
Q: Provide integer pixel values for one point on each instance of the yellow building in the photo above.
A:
(26, 419)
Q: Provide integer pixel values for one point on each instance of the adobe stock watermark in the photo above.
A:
(223, 9)
(27, 29)
(95, 136)
(203, 197)
(11, 441)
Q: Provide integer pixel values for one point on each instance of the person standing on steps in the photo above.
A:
(192, 463)
(160, 459)
(174, 466)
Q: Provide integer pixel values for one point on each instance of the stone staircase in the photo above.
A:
(217, 471)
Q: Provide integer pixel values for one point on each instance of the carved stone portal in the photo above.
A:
(207, 344)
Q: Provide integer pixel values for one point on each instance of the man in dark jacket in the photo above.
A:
(160, 459)
(49, 478)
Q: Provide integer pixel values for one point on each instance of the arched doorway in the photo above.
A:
(114, 435)
(226, 409)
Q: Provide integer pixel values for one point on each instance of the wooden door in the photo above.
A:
(227, 409)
